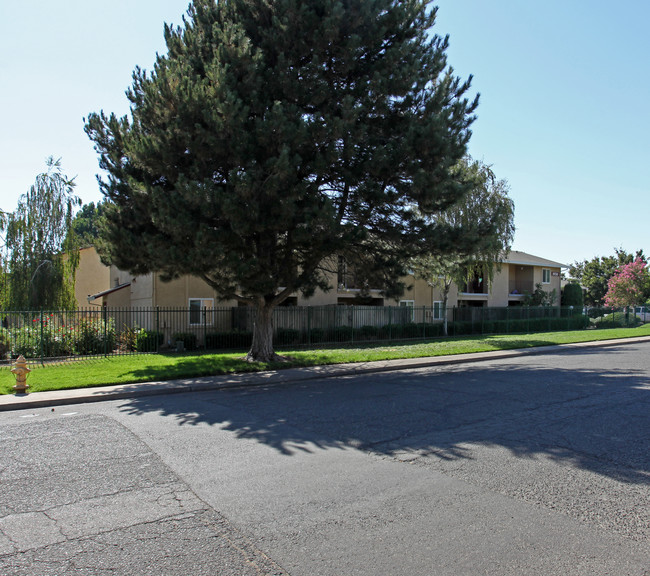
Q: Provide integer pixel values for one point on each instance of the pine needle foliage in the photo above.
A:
(275, 136)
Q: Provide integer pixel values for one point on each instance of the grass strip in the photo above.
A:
(112, 370)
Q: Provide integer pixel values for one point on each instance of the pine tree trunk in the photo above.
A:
(262, 346)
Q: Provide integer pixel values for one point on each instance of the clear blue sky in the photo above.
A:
(565, 89)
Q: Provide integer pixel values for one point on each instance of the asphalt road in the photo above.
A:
(538, 465)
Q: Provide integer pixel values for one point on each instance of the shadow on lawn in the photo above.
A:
(595, 416)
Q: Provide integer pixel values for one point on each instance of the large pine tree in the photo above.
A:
(277, 135)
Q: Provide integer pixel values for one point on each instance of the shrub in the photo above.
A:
(188, 339)
(316, 335)
(368, 333)
(228, 340)
(339, 334)
(126, 339)
(572, 295)
(433, 330)
(148, 340)
(617, 320)
(93, 336)
(42, 337)
(5, 343)
(287, 337)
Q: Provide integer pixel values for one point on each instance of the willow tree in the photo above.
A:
(41, 258)
(275, 136)
(482, 224)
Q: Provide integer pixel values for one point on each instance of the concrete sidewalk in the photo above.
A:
(273, 377)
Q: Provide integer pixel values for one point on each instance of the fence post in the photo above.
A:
(453, 320)
(40, 319)
(308, 325)
(157, 328)
(105, 315)
(424, 323)
(205, 325)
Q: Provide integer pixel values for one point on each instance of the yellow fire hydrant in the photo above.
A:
(20, 370)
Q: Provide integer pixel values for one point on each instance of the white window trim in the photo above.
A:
(437, 314)
(205, 303)
(549, 275)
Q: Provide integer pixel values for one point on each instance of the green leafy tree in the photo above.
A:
(594, 274)
(540, 297)
(85, 227)
(274, 137)
(40, 255)
(629, 285)
(4, 270)
(480, 228)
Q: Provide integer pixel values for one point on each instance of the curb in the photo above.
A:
(278, 377)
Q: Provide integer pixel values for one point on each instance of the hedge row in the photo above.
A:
(342, 334)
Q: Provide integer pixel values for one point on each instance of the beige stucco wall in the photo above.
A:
(91, 276)
(142, 291)
(178, 292)
(556, 279)
(498, 291)
(498, 294)
(149, 290)
(422, 294)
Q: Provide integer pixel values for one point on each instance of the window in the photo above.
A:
(437, 310)
(201, 311)
(546, 276)
(476, 284)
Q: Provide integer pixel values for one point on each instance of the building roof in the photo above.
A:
(93, 297)
(524, 259)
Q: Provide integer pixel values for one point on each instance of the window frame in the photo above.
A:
(546, 272)
(210, 306)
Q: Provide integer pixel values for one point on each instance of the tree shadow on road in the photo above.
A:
(590, 416)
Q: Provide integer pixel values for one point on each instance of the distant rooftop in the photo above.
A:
(524, 259)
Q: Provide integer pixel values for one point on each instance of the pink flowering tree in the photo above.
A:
(629, 286)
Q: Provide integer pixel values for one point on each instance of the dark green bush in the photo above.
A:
(148, 340)
(368, 333)
(434, 330)
(339, 334)
(287, 337)
(188, 339)
(228, 340)
(572, 296)
(316, 335)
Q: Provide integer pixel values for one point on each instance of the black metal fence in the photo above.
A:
(108, 331)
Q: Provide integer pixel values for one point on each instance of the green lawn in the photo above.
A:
(151, 367)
